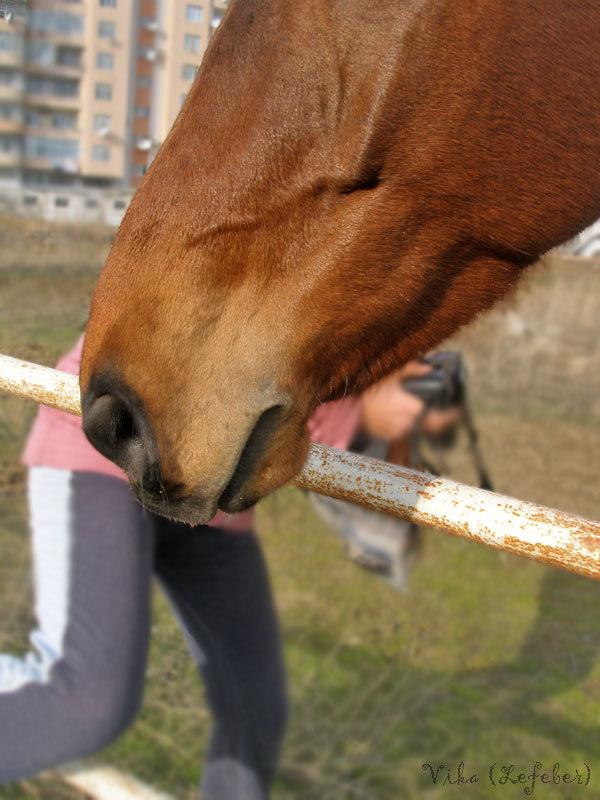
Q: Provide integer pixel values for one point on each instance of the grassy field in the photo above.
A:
(487, 659)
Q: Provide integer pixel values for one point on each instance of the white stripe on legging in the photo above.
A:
(50, 519)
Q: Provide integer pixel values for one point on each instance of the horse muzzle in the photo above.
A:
(117, 425)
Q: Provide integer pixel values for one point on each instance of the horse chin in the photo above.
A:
(191, 510)
(194, 510)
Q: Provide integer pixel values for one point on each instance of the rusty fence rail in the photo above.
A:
(545, 534)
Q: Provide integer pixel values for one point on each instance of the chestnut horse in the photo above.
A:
(347, 183)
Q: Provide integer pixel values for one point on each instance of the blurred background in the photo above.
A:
(486, 657)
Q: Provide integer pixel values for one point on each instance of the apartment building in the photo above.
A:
(90, 88)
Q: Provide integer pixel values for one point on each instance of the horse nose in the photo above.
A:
(115, 423)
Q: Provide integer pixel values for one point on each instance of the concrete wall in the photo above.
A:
(67, 206)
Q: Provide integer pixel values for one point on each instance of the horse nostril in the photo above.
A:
(111, 428)
(115, 423)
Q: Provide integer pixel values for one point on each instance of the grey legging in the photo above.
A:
(94, 553)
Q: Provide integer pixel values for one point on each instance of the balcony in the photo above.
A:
(11, 58)
(66, 165)
(49, 91)
(52, 101)
(11, 126)
(49, 58)
(46, 130)
(55, 70)
(10, 158)
(56, 26)
(11, 91)
(59, 38)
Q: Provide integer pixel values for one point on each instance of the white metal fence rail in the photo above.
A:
(545, 534)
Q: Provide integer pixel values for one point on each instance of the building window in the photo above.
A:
(68, 57)
(7, 41)
(141, 111)
(106, 29)
(102, 123)
(43, 147)
(193, 13)
(41, 19)
(63, 121)
(119, 205)
(10, 144)
(100, 152)
(189, 72)
(33, 118)
(61, 202)
(91, 202)
(57, 87)
(108, 3)
(8, 77)
(103, 91)
(34, 177)
(191, 43)
(30, 200)
(41, 53)
(143, 81)
(105, 61)
(9, 175)
(138, 169)
(10, 112)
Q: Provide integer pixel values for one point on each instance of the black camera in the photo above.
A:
(444, 387)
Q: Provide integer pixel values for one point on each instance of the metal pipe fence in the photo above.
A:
(527, 529)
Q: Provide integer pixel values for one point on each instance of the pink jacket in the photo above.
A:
(57, 439)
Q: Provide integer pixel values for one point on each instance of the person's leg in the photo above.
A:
(218, 584)
(92, 553)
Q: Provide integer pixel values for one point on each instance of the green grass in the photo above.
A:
(488, 658)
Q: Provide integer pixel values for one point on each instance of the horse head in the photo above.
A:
(347, 183)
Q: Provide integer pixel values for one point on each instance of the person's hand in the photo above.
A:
(413, 369)
(438, 420)
(388, 411)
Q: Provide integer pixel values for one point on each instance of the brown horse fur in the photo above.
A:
(347, 183)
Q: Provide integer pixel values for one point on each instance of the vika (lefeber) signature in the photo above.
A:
(508, 775)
